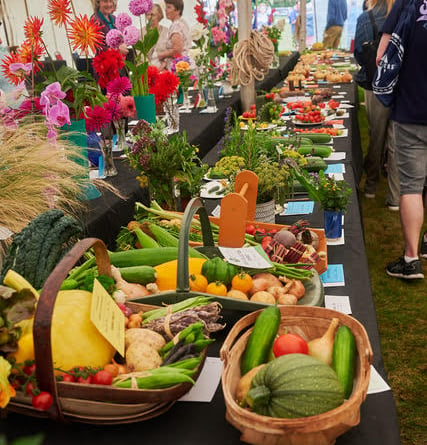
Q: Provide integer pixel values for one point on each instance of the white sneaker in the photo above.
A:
(393, 208)
(370, 195)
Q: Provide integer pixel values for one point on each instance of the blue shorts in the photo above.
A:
(411, 157)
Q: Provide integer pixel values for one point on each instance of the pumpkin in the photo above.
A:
(217, 269)
(166, 272)
(295, 385)
(75, 339)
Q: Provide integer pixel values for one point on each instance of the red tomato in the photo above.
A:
(29, 369)
(250, 229)
(266, 241)
(87, 379)
(65, 377)
(102, 378)
(29, 389)
(42, 401)
(289, 344)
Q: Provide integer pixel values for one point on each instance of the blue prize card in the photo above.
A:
(334, 276)
(299, 208)
(334, 168)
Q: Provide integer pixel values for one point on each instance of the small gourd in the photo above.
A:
(295, 385)
(217, 269)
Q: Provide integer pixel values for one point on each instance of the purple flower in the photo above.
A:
(51, 94)
(17, 67)
(131, 35)
(139, 7)
(59, 114)
(114, 38)
(51, 134)
(122, 20)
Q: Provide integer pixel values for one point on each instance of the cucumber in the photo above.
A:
(323, 151)
(148, 257)
(318, 138)
(315, 164)
(261, 340)
(343, 358)
(297, 141)
(138, 274)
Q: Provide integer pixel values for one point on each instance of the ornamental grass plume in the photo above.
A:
(36, 175)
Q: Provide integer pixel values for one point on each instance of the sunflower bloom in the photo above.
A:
(85, 34)
(32, 30)
(60, 12)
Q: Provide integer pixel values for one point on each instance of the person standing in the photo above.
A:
(409, 114)
(337, 15)
(179, 37)
(381, 141)
(157, 15)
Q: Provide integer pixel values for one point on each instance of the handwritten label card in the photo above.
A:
(299, 208)
(245, 257)
(340, 303)
(336, 156)
(216, 211)
(334, 276)
(207, 382)
(107, 317)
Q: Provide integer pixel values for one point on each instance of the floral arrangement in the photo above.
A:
(83, 34)
(163, 84)
(182, 68)
(131, 36)
(164, 162)
(274, 33)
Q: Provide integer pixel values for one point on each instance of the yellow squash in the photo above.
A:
(166, 272)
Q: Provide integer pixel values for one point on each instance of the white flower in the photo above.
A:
(198, 31)
(194, 53)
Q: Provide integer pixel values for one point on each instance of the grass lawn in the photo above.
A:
(401, 310)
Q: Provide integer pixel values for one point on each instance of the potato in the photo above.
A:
(144, 336)
(288, 299)
(244, 384)
(142, 357)
(234, 293)
(263, 297)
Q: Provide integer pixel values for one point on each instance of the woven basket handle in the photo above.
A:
(193, 207)
(236, 330)
(44, 310)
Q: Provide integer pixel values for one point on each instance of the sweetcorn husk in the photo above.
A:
(36, 175)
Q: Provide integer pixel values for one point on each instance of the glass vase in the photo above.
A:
(211, 101)
(333, 224)
(275, 62)
(107, 153)
(171, 109)
(120, 126)
(186, 104)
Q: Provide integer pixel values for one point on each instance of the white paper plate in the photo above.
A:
(268, 127)
(212, 190)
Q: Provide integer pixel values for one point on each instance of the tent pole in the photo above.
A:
(244, 13)
(4, 23)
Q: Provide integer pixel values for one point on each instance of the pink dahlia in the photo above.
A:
(114, 38)
(122, 20)
(131, 35)
(119, 85)
(139, 7)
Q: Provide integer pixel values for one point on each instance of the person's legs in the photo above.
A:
(411, 157)
(332, 36)
(378, 118)
(393, 193)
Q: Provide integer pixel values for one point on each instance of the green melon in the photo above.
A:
(295, 385)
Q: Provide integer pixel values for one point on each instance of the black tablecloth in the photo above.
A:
(195, 423)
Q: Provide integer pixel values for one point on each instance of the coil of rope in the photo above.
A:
(252, 58)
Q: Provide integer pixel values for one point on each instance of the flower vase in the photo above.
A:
(275, 62)
(146, 108)
(186, 104)
(120, 126)
(76, 133)
(211, 100)
(171, 108)
(107, 153)
(227, 89)
(333, 224)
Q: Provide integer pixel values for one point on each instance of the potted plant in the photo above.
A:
(333, 196)
(138, 68)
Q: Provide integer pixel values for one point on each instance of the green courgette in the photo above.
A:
(261, 340)
(138, 274)
(343, 358)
